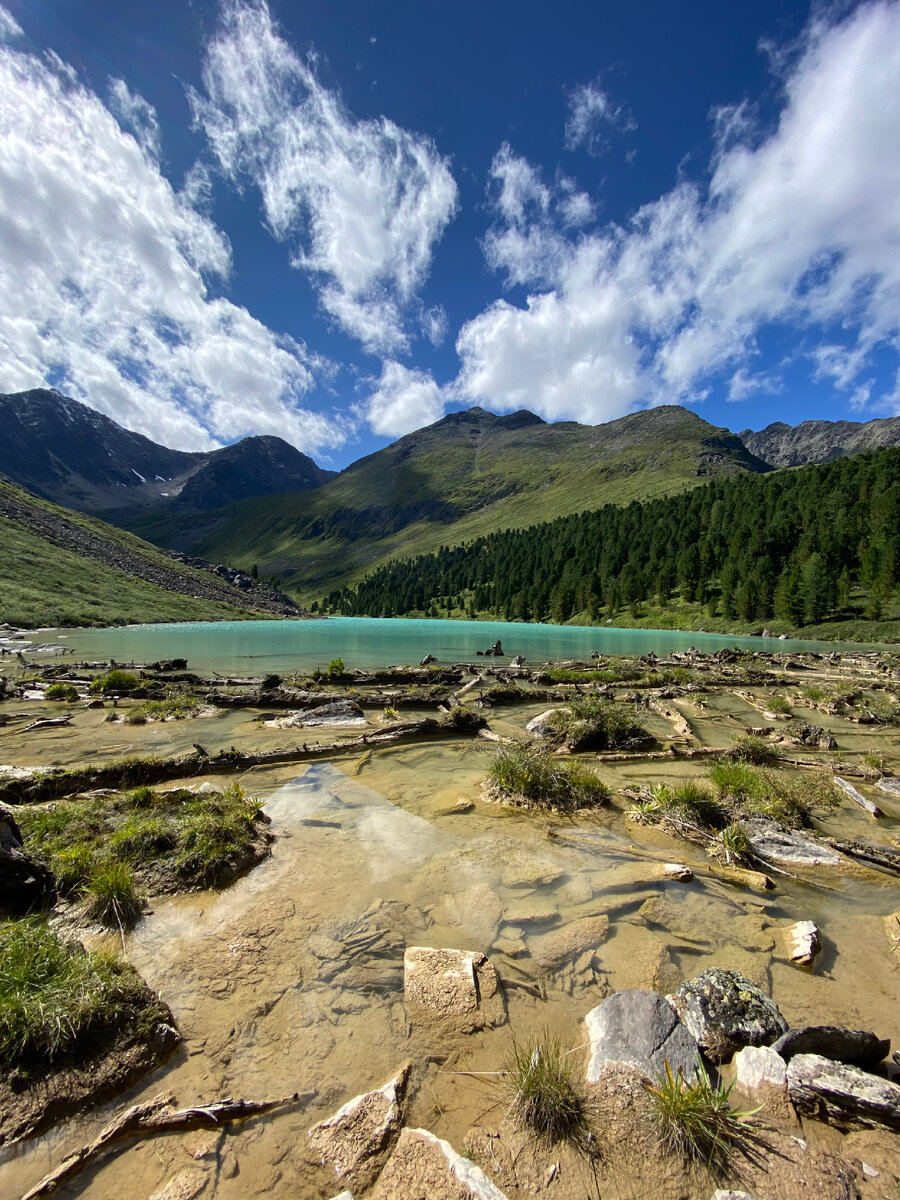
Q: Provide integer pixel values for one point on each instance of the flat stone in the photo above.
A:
(642, 1029)
(756, 1066)
(531, 911)
(477, 911)
(678, 872)
(719, 1194)
(725, 1012)
(740, 875)
(570, 941)
(804, 942)
(425, 1167)
(788, 846)
(459, 985)
(512, 945)
(529, 872)
(889, 784)
(357, 1140)
(857, 1046)
(843, 1094)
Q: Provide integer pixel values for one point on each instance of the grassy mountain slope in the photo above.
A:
(471, 473)
(62, 568)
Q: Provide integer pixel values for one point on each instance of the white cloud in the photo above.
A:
(135, 115)
(403, 400)
(434, 324)
(744, 384)
(796, 230)
(108, 267)
(10, 29)
(362, 202)
(592, 113)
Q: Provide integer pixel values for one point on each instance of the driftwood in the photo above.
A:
(47, 722)
(858, 798)
(155, 1117)
(873, 856)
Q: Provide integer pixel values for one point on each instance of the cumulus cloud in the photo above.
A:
(795, 230)
(592, 114)
(362, 203)
(403, 400)
(106, 268)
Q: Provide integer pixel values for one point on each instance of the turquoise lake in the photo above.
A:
(251, 647)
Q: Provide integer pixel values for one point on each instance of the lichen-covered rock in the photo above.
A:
(725, 1012)
(424, 1167)
(460, 986)
(841, 1093)
(858, 1046)
(355, 1142)
(640, 1028)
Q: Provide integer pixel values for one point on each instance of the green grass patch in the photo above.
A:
(696, 1119)
(116, 680)
(543, 1094)
(177, 707)
(521, 772)
(594, 723)
(112, 898)
(788, 800)
(55, 995)
(62, 691)
(747, 748)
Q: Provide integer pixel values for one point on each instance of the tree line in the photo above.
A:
(790, 545)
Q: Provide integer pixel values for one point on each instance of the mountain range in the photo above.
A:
(262, 503)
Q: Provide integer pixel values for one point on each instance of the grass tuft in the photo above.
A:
(594, 723)
(112, 898)
(544, 1097)
(747, 748)
(522, 771)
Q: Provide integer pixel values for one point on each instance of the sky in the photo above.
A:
(337, 221)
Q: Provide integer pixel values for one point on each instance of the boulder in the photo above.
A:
(339, 712)
(857, 1046)
(544, 724)
(725, 1012)
(459, 986)
(890, 785)
(759, 1066)
(841, 1093)
(10, 834)
(356, 1141)
(770, 842)
(570, 941)
(640, 1028)
(425, 1166)
(803, 942)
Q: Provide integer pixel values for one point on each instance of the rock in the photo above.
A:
(425, 1167)
(531, 911)
(787, 846)
(183, 1186)
(842, 1093)
(719, 1193)
(678, 872)
(10, 834)
(751, 879)
(544, 724)
(856, 1046)
(889, 784)
(477, 910)
(456, 985)
(518, 661)
(725, 1012)
(571, 941)
(356, 1141)
(804, 942)
(456, 808)
(339, 712)
(756, 1066)
(26, 883)
(529, 871)
(510, 944)
(640, 1028)
(857, 797)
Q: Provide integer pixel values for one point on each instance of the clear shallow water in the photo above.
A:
(249, 647)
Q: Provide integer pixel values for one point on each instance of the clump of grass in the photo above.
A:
(336, 668)
(215, 835)
(696, 1120)
(815, 693)
(736, 780)
(733, 844)
(543, 1095)
(116, 680)
(875, 763)
(389, 713)
(140, 838)
(694, 802)
(72, 867)
(594, 723)
(779, 704)
(747, 748)
(523, 772)
(787, 800)
(54, 993)
(112, 898)
(173, 708)
(62, 691)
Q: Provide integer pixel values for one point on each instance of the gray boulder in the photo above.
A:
(725, 1012)
(831, 1041)
(643, 1029)
(842, 1094)
(769, 842)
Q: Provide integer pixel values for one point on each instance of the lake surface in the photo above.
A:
(251, 647)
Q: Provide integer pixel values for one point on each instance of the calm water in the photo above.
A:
(249, 647)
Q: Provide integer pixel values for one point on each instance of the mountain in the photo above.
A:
(64, 568)
(469, 474)
(72, 455)
(783, 445)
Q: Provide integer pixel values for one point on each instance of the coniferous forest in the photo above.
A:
(790, 545)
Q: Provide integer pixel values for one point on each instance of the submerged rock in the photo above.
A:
(456, 985)
(426, 1166)
(570, 941)
(725, 1012)
(640, 1028)
(857, 1046)
(340, 712)
(841, 1093)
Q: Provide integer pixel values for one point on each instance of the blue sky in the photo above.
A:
(335, 222)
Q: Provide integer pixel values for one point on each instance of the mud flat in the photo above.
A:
(298, 976)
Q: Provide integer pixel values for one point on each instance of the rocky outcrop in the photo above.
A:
(782, 445)
(725, 1012)
(457, 987)
(842, 1094)
(424, 1167)
(640, 1028)
(857, 1046)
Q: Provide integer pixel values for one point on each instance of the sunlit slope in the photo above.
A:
(471, 473)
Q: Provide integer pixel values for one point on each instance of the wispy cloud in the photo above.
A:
(361, 203)
(796, 230)
(10, 29)
(592, 115)
(111, 271)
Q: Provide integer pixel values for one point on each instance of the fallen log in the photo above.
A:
(874, 856)
(157, 1116)
(47, 722)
